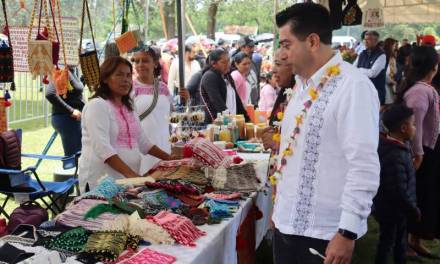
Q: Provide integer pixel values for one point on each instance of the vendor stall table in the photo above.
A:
(219, 245)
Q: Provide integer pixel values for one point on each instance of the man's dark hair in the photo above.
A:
(305, 19)
(395, 116)
(373, 33)
(363, 34)
(188, 47)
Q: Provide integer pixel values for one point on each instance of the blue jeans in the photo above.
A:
(70, 132)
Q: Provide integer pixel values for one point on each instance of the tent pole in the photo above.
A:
(181, 38)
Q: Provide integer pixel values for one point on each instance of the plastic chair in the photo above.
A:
(22, 181)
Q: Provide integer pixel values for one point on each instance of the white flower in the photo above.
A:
(289, 93)
(277, 123)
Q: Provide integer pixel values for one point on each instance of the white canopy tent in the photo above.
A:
(409, 11)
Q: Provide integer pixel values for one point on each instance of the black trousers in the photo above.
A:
(291, 249)
(392, 238)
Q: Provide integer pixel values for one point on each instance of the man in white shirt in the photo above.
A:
(192, 66)
(372, 62)
(361, 46)
(325, 186)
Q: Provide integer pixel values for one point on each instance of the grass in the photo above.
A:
(35, 139)
(363, 253)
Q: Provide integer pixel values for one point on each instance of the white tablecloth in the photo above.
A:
(218, 246)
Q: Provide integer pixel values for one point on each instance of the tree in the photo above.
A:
(170, 17)
(212, 18)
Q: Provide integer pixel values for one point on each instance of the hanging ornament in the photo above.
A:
(7, 99)
(373, 15)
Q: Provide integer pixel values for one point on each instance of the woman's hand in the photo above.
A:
(160, 154)
(116, 163)
(76, 114)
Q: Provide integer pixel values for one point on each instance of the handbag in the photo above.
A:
(89, 60)
(30, 213)
(6, 55)
(128, 39)
(154, 103)
(55, 44)
(373, 15)
(60, 77)
(352, 14)
(127, 42)
(39, 50)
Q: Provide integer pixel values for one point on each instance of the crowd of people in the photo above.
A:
(352, 136)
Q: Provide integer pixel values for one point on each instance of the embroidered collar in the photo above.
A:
(315, 79)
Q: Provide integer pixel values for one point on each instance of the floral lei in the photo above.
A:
(288, 151)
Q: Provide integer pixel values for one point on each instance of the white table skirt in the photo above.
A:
(218, 246)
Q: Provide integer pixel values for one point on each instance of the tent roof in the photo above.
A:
(410, 11)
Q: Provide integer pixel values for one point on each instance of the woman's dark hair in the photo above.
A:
(403, 53)
(268, 77)
(214, 56)
(422, 61)
(239, 57)
(108, 67)
(395, 115)
(389, 45)
(305, 19)
(436, 81)
(154, 53)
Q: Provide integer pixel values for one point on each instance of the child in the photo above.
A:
(396, 197)
(268, 94)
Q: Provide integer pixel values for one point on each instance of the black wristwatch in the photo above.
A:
(347, 234)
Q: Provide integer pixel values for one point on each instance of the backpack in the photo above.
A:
(10, 155)
(10, 150)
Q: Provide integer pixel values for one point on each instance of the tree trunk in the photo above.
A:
(212, 14)
(170, 17)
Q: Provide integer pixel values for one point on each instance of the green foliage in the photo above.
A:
(231, 12)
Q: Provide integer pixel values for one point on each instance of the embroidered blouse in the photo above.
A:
(108, 130)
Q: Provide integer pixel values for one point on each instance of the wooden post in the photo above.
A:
(275, 28)
(195, 34)
(147, 17)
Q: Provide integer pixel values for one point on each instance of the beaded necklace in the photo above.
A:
(314, 94)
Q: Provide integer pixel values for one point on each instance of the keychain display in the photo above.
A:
(186, 123)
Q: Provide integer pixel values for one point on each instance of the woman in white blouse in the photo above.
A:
(152, 101)
(112, 139)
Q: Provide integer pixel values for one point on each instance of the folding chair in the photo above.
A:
(26, 183)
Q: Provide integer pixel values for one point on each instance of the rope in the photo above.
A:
(7, 25)
(32, 19)
(46, 15)
(86, 9)
(53, 20)
(114, 19)
(57, 2)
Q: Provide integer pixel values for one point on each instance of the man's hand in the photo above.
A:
(76, 114)
(339, 250)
